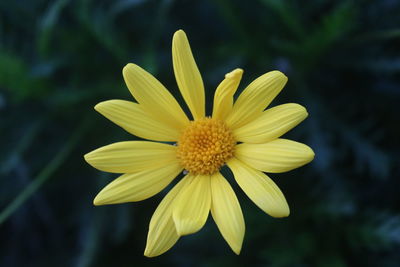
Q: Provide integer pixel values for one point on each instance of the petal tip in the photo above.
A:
(303, 110)
(237, 250)
(147, 253)
(178, 226)
(98, 107)
(100, 199)
(278, 75)
(90, 158)
(282, 213)
(87, 157)
(128, 69)
(311, 154)
(129, 65)
(185, 231)
(180, 232)
(150, 252)
(179, 32)
(235, 73)
(104, 106)
(181, 228)
(299, 109)
(97, 201)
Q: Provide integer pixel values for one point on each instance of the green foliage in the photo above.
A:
(17, 78)
(59, 58)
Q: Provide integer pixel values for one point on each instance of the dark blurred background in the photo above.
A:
(59, 58)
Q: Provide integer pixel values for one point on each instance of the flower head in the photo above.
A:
(241, 134)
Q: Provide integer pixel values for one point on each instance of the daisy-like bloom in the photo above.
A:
(242, 135)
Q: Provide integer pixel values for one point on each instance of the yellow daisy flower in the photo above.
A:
(241, 135)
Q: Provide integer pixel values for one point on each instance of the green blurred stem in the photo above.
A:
(24, 143)
(378, 36)
(47, 172)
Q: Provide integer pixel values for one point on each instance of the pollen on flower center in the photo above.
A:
(205, 146)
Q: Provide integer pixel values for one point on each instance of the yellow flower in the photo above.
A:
(241, 135)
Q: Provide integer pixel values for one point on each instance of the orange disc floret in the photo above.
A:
(205, 146)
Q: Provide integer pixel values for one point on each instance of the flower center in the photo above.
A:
(205, 146)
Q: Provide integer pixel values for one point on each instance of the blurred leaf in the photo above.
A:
(16, 77)
(49, 23)
(289, 16)
(46, 173)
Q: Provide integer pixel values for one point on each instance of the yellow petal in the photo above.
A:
(188, 75)
(132, 156)
(260, 189)
(162, 233)
(273, 123)
(153, 97)
(226, 211)
(223, 97)
(280, 155)
(131, 117)
(255, 98)
(137, 186)
(192, 206)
